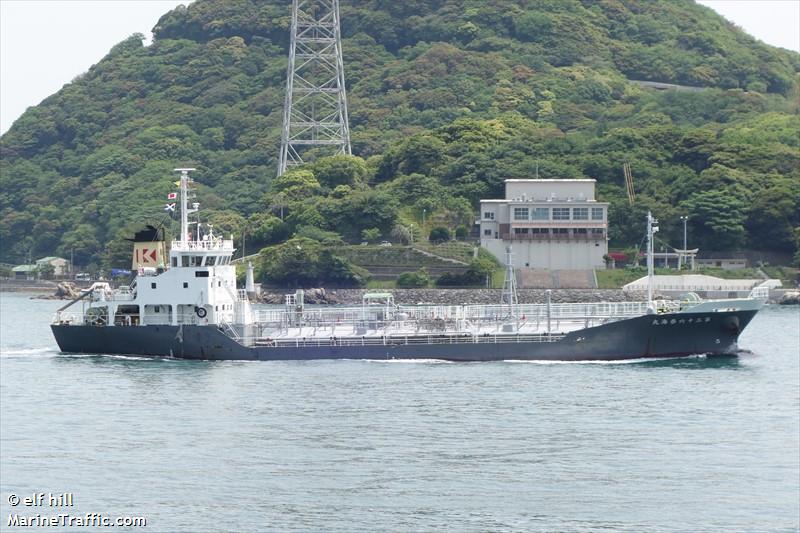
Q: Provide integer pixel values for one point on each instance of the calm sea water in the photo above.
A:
(678, 445)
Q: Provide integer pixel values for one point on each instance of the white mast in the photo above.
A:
(185, 180)
(651, 230)
(509, 294)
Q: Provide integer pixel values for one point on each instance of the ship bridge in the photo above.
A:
(209, 251)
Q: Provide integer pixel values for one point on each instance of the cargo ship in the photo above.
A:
(187, 305)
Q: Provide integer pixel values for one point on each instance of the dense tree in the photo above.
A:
(447, 100)
(306, 262)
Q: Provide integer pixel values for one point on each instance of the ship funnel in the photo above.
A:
(149, 249)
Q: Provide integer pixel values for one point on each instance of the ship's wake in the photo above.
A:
(46, 351)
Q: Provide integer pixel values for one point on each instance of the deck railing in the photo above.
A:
(343, 316)
(399, 340)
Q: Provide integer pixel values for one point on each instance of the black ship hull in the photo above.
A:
(647, 336)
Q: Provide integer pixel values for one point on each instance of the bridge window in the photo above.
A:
(152, 285)
(174, 261)
(211, 260)
(185, 260)
(185, 284)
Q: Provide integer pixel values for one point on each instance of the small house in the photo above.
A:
(28, 272)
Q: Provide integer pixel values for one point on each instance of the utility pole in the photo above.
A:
(315, 107)
(683, 253)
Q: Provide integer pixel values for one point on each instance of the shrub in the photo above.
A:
(411, 280)
(371, 234)
(439, 234)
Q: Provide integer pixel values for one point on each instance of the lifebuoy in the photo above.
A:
(201, 311)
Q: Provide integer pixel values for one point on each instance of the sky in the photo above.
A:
(45, 44)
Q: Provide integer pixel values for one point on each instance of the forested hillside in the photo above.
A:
(447, 99)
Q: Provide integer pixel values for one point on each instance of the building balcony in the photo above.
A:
(584, 237)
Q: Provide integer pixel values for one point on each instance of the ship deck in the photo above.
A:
(430, 324)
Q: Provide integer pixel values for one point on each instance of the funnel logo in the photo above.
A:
(145, 256)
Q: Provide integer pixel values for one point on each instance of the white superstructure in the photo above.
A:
(198, 286)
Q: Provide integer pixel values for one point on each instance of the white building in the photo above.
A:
(59, 264)
(551, 224)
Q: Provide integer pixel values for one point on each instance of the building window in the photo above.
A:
(520, 231)
(597, 213)
(560, 231)
(520, 213)
(597, 231)
(580, 213)
(487, 233)
(561, 213)
(488, 215)
(541, 213)
(540, 231)
(581, 231)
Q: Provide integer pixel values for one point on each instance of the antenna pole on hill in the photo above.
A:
(315, 109)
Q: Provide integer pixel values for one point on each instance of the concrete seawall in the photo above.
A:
(25, 285)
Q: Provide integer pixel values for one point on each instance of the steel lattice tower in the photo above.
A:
(315, 111)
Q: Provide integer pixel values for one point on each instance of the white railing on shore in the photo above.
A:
(759, 293)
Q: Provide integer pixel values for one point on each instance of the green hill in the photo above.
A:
(447, 99)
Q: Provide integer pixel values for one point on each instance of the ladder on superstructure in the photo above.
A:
(315, 109)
